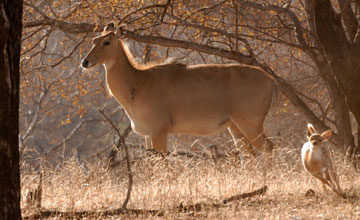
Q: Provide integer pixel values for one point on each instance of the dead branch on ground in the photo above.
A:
(200, 206)
(181, 209)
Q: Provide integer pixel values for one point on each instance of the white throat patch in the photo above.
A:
(109, 64)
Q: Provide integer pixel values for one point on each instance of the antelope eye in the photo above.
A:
(106, 43)
(316, 142)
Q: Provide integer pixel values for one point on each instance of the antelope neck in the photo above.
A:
(121, 76)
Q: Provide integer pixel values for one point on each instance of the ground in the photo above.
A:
(163, 184)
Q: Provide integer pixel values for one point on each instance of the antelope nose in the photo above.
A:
(85, 63)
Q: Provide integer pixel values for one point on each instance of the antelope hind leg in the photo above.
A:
(336, 186)
(255, 135)
(329, 183)
(238, 135)
(336, 180)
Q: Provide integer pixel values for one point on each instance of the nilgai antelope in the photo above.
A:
(316, 159)
(173, 98)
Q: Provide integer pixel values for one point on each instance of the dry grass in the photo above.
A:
(163, 184)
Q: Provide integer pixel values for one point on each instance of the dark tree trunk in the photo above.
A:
(339, 105)
(10, 45)
(345, 137)
(342, 50)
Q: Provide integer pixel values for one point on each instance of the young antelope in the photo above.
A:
(316, 159)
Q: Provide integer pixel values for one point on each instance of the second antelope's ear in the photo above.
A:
(121, 31)
(110, 27)
(311, 129)
(326, 135)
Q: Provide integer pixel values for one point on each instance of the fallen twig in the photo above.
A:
(258, 192)
(181, 209)
(82, 214)
(200, 206)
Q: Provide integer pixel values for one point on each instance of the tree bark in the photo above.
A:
(342, 54)
(337, 97)
(10, 45)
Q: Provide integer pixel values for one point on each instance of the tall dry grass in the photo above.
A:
(162, 184)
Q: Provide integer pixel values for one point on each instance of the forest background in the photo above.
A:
(310, 49)
(315, 68)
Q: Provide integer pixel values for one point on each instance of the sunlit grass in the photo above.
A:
(164, 184)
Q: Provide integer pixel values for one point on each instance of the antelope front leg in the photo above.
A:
(148, 143)
(159, 142)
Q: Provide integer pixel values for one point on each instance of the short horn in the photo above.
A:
(110, 27)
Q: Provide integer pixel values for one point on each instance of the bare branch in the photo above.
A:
(32, 125)
(349, 19)
(203, 9)
(164, 6)
(36, 9)
(46, 35)
(322, 110)
(167, 4)
(71, 53)
(167, 42)
(285, 10)
(122, 141)
(235, 5)
(72, 28)
(73, 131)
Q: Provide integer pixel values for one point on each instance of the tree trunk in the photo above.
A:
(342, 54)
(350, 84)
(339, 105)
(10, 45)
(336, 95)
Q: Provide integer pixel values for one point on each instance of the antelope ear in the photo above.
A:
(311, 129)
(121, 31)
(110, 27)
(326, 135)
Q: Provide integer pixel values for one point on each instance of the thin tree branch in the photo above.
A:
(284, 10)
(73, 131)
(71, 53)
(349, 19)
(167, 4)
(32, 125)
(167, 42)
(122, 142)
(164, 6)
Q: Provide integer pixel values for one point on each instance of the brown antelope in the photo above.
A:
(173, 98)
(316, 159)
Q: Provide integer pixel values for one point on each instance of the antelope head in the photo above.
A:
(315, 138)
(105, 47)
